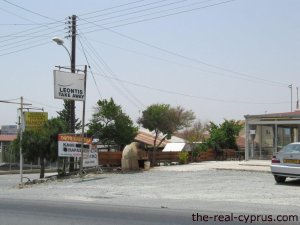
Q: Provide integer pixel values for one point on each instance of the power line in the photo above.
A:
(31, 39)
(159, 17)
(25, 48)
(14, 14)
(188, 95)
(89, 66)
(33, 22)
(135, 12)
(193, 59)
(148, 9)
(24, 24)
(27, 37)
(11, 37)
(28, 10)
(39, 103)
(126, 9)
(25, 32)
(185, 65)
(126, 93)
(118, 6)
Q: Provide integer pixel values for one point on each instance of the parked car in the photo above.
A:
(286, 163)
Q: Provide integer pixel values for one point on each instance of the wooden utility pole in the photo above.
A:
(71, 103)
(21, 126)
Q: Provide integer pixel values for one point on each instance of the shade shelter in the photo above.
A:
(175, 147)
(266, 134)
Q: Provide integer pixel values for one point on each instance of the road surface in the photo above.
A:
(154, 197)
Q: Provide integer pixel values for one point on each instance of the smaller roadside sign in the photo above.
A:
(69, 145)
(90, 158)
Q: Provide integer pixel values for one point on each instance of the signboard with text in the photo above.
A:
(35, 121)
(69, 86)
(90, 158)
(69, 145)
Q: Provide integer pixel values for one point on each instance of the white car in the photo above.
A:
(286, 163)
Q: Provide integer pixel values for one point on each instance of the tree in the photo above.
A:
(42, 144)
(162, 119)
(65, 116)
(196, 136)
(197, 132)
(224, 135)
(111, 125)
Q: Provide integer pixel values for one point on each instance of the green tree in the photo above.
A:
(65, 116)
(111, 125)
(41, 144)
(164, 120)
(224, 135)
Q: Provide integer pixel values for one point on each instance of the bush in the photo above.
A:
(183, 157)
(203, 147)
(61, 172)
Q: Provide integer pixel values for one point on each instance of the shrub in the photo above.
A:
(202, 147)
(183, 157)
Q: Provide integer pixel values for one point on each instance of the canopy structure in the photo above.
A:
(266, 134)
(174, 147)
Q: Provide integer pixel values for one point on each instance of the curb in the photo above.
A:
(255, 165)
(243, 170)
(26, 171)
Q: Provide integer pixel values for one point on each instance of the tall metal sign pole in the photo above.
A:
(83, 123)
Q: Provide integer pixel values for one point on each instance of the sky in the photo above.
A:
(222, 59)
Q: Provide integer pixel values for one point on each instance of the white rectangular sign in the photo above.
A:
(69, 86)
(69, 145)
(90, 158)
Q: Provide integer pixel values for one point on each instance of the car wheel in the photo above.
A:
(279, 179)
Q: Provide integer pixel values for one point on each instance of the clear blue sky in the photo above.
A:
(221, 59)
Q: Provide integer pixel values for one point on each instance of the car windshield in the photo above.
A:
(291, 148)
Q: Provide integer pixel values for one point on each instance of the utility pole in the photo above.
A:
(70, 104)
(297, 105)
(291, 87)
(73, 69)
(21, 125)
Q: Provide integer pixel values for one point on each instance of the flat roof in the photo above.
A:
(8, 137)
(288, 115)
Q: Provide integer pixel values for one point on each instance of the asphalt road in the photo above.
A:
(155, 197)
(29, 212)
(32, 212)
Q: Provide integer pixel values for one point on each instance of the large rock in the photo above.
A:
(130, 156)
